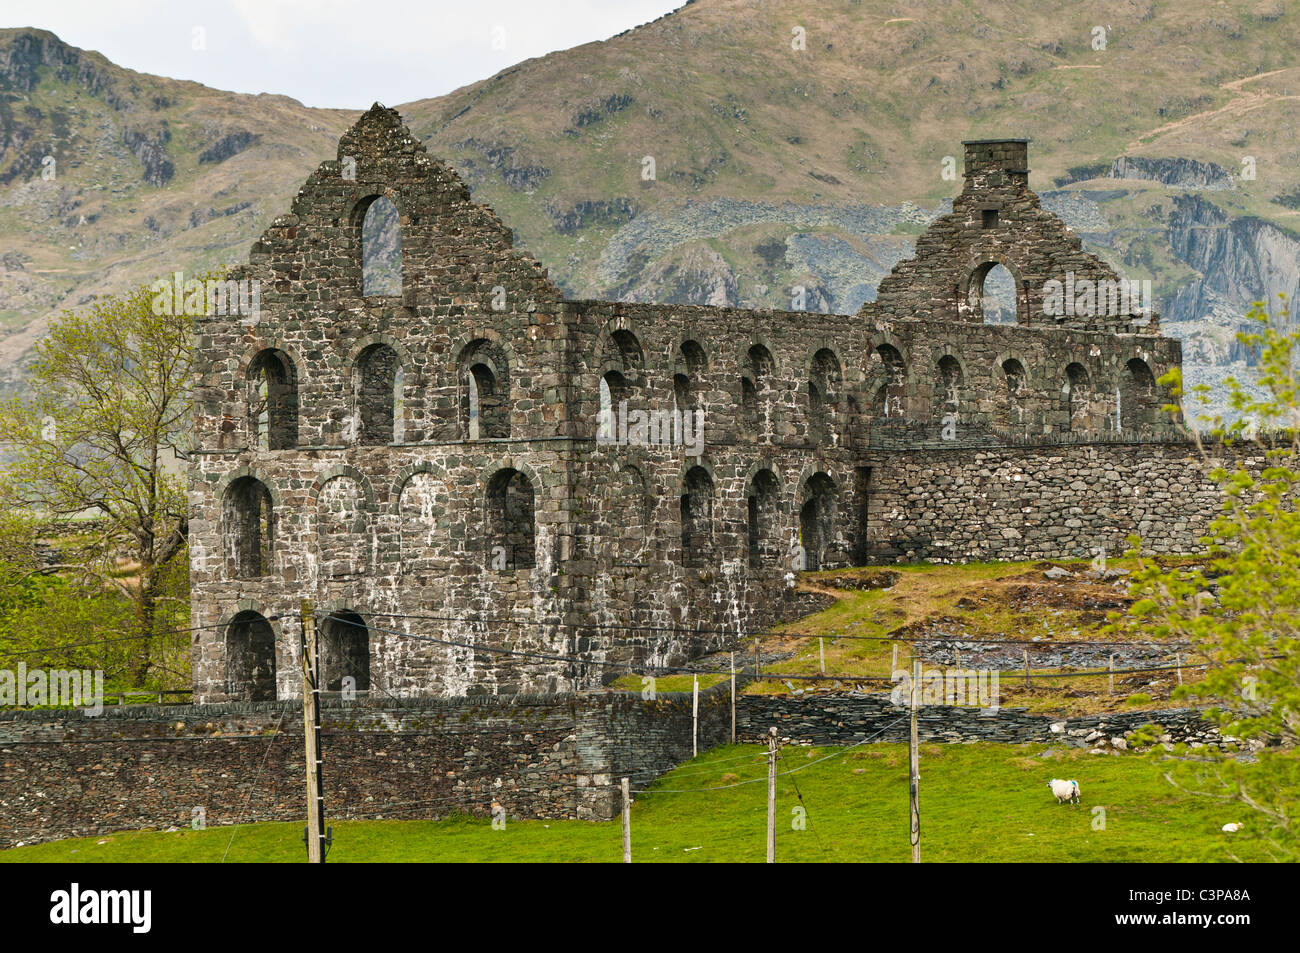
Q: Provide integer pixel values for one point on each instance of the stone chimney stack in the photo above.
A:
(996, 163)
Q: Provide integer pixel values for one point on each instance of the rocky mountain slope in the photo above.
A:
(734, 151)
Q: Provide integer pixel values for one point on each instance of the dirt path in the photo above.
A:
(1247, 101)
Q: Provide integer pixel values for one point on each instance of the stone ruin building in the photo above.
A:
(424, 453)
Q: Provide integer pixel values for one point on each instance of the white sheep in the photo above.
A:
(1233, 827)
(1064, 790)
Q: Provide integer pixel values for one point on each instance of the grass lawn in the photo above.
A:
(980, 802)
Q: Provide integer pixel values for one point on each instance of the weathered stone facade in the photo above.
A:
(431, 464)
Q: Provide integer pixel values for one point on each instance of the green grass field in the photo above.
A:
(982, 802)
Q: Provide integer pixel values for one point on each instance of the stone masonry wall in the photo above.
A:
(853, 718)
(1043, 503)
(557, 756)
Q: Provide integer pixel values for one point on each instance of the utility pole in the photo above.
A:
(627, 824)
(315, 833)
(771, 795)
(694, 717)
(733, 698)
(914, 763)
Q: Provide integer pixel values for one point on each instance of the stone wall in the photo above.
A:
(555, 756)
(142, 766)
(853, 718)
(963, 504)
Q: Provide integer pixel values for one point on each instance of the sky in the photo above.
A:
(330, 53)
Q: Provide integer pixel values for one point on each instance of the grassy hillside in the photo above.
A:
(1058, 621)
(987, 803)
(773, 166)
(150, 176)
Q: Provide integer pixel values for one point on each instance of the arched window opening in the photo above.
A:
(272, 401)
(856, 431)
(1078, 398)
(764, 520)
(250, 658)
(688, 378)
(891, 397)
(697, 518)
(629, 350)
(378, 398)
(817, 521)
(948, 389)
(381, 248)
(1014, 407)
(512, 522)
(992, 294)
(756, 390)
(345, 652)
(485, 390)
(250, 528)
(823, 395)
(683, 394)
(816, 414)
(749, 404)
(1139, 402)
(613, 393)
(485, 404)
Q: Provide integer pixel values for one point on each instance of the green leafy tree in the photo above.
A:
(58, 607)
(1240, 604)
(98, 437)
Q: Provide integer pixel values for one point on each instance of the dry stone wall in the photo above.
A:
(143, 766)
(544, 756)
(855, 718)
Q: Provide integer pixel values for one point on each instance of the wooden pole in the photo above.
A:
(914, 764)
(1111, 665)
(627, 824)
(893, 666)
(695, 716)
(771, 795)
(1026, 652)
(1178, 660)
(821, 652)
(311, 735)
(758, 662)
(733, 698)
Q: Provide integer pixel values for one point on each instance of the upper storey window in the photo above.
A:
(992, 294)
(272, 401)
(381, 247)
(378, 383)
